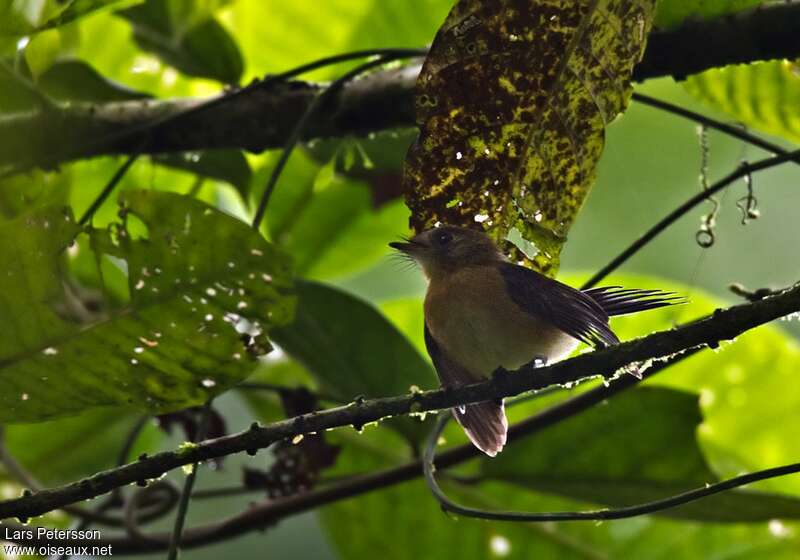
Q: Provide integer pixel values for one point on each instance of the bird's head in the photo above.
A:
(446, 249)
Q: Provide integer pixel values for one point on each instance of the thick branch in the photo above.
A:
(723, 325)
(263, 119)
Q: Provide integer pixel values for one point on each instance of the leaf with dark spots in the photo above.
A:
(199, 281)
(512, 104)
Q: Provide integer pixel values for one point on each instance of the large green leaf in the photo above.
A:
(203, 286)
(352, 350)
(187, 36)
(762, 95)
(638, 448)
(328, 27)
(350, 347)
(512, 105)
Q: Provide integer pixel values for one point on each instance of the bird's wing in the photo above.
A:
(572, 311)
(451, 373)
(616, 300)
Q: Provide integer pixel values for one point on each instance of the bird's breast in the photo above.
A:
(470, 314)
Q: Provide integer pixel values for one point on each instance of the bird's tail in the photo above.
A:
(485, 425)
(616, 300)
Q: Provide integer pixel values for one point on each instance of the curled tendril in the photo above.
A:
(705, 236)
(748, 204)
(159, 497)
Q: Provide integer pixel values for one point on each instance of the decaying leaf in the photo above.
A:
(512, 104)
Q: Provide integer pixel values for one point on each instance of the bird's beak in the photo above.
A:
(402, 246)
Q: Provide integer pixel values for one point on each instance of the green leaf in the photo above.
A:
(512, 107)
(351, 349)
(672, 13)
(76, 80)
(203, 286)
(330, 227)
(328, 27)
(223, 165)
(762, 95)
(42, 51)
(188, 37)
(639, 447)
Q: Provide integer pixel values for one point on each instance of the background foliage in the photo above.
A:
(715, 415)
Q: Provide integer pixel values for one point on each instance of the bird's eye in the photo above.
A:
(443, 237)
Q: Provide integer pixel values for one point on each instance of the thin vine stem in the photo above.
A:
(449, 505)
(186, 494)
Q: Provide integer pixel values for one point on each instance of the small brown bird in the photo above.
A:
(483, 312)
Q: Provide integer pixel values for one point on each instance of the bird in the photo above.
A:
(484, 313)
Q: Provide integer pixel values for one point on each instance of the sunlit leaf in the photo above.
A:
(331, 227)
(512, 105)
(204, 288)
(42, 51)
(327, 27)
(187, 36)
(762, 95)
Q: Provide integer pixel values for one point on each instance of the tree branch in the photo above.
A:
(263, 119)
(725, 324)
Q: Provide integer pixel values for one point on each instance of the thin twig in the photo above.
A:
(653, 232)
(108, 189)
(183, 504)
